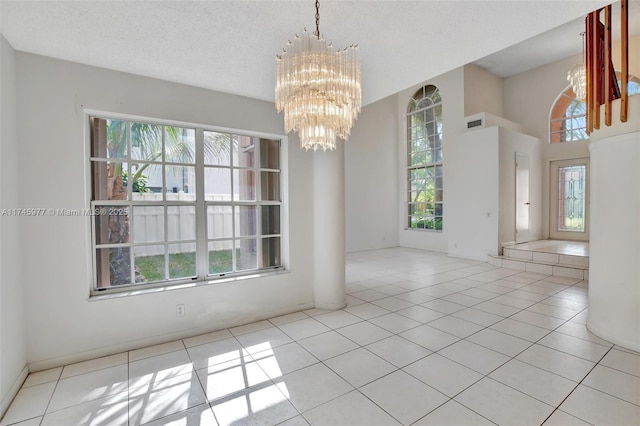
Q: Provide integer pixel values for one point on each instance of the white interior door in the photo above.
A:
(522, 198)
(569, 203)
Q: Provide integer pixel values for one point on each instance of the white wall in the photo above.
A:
(634, 55)
(479, 174)
(481, 208)
(614, 288)
(512, 142)
(473, 197)
(483, 91)
(63, 325)
(614, 266)
(451, 87)
(479, 181)
(489, 182)
(528, 98)
(12, 332)
(371, 173)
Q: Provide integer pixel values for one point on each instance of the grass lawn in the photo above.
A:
(183, 264)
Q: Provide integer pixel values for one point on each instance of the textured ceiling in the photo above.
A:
(553, 45)
(230, 46)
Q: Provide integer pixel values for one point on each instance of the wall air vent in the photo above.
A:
(474, 123)
(484, 120)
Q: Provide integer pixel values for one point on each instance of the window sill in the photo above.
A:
(132, 291)
(424, 230)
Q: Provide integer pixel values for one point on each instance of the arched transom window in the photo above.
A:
(569, 114)
(424, 160)
(568, 118)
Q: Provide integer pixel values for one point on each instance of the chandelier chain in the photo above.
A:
(317, 33)
(577, 75)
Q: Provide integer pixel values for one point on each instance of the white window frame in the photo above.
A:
(433, 165)
(567, 133)
(203, 276)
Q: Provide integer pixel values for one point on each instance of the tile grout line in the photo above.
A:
(487, 327)
(51, 397)
(128, 388)
(479, 286)
(426, 356)
(576, 387)
(359, 346)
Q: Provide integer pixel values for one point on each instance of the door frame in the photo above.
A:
(554, 234)
(522, 202)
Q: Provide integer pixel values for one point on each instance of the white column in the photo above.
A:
(614, 247)
(329, 234)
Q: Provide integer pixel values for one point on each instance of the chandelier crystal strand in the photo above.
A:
(577, 77)
(319, 89)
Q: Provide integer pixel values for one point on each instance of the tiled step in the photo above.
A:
(544, 263)
(547, 258)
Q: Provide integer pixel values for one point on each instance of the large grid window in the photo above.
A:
(424, 159)
(172, 204)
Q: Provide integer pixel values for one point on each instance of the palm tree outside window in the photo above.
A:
(165, 211)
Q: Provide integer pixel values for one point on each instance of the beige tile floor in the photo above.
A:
(425, 340)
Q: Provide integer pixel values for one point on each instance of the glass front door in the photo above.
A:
(569, 216)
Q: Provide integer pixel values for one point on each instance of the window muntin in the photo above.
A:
(568, 118)
(165, 211)
(424, 160)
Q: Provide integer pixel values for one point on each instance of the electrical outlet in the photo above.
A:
(180, 310)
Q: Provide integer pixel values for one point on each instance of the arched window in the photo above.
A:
(569, 114)
(568, 118)
(633, 87)
(424, 160)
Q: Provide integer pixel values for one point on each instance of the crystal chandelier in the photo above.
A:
(577, 76)
(318, 88)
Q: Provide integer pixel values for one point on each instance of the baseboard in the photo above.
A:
(15, 388)
(331, 306)
(464, 256)
(625, 343)
(63, 360)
